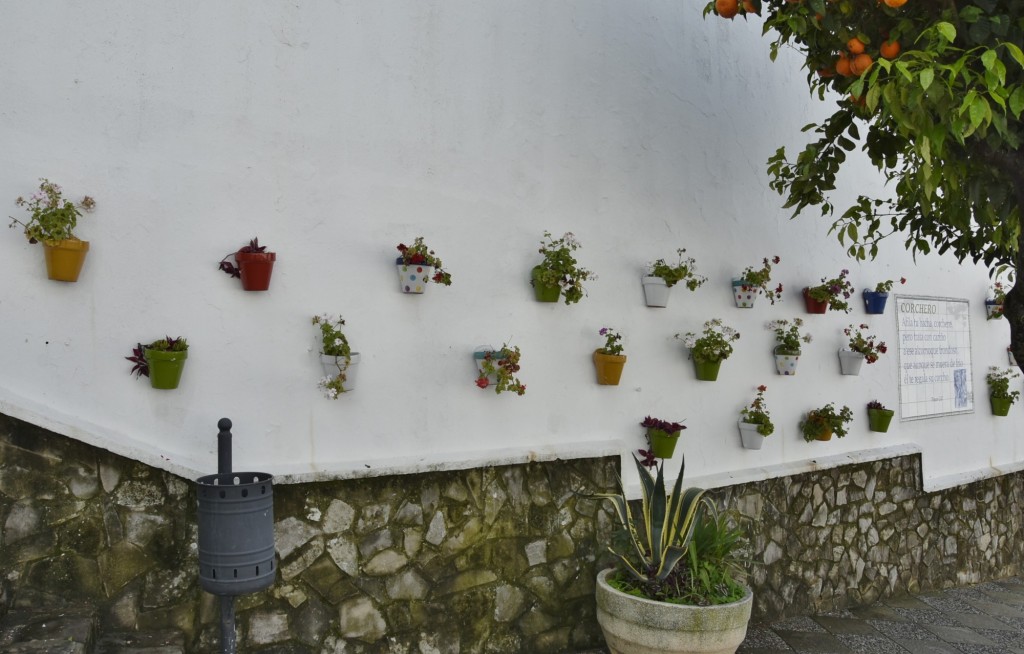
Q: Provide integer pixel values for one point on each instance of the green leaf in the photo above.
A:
(947, 30)
(1017, 101)
(1015, 52)
(988, 58)
(926, 77)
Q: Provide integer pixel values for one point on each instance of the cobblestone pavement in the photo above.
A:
(983, 619)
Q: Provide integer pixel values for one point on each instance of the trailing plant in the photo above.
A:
(714, 343)
(560, 267)
(875, 405)
(835, 291)
(166, 344)
(787, 335)
(865, 344)
(819, 421)
(998, 380)
(253, 247)
(420, 254)
(501, 364)
(760, 278)
(684, 270)
(612, 341)
(757, 413)
(334, 343)
(53, 218)
(998, 293)
(886, 286)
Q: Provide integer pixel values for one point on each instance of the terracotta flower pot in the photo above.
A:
(814, 306)
(608, 367)
(824, 435)
(64, 259)
(255, 269)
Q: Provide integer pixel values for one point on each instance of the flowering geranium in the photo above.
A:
(334, 343)
(787, 334)
(714, 344)
(612, 341)
(835, 291)
(419, 254)
(501, 364)
(759, 279)
(999, 383)
(684, 270)
(820, 421)
(560, 267)
(53, 218)
(886, 286)
(757, 413)
(865, 344)
(998, 292)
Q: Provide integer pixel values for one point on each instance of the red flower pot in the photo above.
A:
(814, 306)
(255, 268)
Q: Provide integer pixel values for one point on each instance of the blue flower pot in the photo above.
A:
(874, 302)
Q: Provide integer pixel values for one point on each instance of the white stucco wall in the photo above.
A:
(335, 130)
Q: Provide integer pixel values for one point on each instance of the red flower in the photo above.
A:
(482, 382)
(903, 280)
(776, 259)
(762, 388)
(402, 247)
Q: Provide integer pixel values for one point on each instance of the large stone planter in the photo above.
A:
(635, 625)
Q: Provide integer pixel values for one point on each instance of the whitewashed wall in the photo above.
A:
(335, 130)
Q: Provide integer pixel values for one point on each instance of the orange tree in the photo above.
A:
(932, 91)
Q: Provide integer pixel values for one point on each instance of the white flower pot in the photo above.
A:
(656, 291)
(1009, 354)
(637, 625)
(743, 294)
(414, 278)
(749, 436)
(850, 362)
(992, 310)
(333, 365)
(785, 364)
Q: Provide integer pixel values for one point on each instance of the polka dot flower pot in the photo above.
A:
(744, 294)
(413, 278)
(785, 364)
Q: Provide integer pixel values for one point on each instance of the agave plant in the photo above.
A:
(660, 535)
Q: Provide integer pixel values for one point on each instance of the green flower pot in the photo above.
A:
(663, 444)
(165, 368)
(544, 292)
(1000, 405)
(879, 419)
(707, 370)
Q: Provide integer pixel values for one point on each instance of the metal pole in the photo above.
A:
(228, 644)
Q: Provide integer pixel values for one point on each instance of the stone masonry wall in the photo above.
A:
(495, 560)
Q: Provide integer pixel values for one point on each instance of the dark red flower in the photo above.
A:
(482, 382)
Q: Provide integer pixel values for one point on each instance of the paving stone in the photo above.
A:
(902, 630)
(906, 602)
(765, 639)
(977, 621)
(1003, 638)
(873, 644)
(957, 634)
(927, 616)
(802, 623)
(949, 604)
(810, 642)
(970, 648)
(927, 647)
(839, 626)
(878, 612)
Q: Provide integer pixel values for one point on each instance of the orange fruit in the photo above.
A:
(751, 8)
(843, 66)
(890, 49)
(855, 46)
(861, 63)
(895, 4)
(727, 8)
(826, 72)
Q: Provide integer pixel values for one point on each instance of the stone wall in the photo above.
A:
(488, 560)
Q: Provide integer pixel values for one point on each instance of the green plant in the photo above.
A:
(757, 413)
(560, 268)
(998, 301)
(714, 559)
(334, 343)
(254, 247)
(665, 428)
(684, 270)
(419, 254)
(501, 364)
(760, 279)
(787, 334)
(875, 405)
(865, 344)
(835, 291)
(820, 421)
(999, 384)
(714, 344)
(886, 286)
(138, 356)
(612, 341)
(53, 218)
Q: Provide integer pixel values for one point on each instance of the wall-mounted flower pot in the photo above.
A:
(608, 367)
(785, 362)
(744, 294)
(255, 269)
(333, 366)
(814, 306)
(993, 309)
(663, 444)
(879, 419)
(64, 259)
(656, 291)
(1000, 405)
(749, 436)
(478, 358)
(165, 368)
(544, 292)
(874, 302)
(824, 435)
(413, 278)
(707, 370)
(850, 362)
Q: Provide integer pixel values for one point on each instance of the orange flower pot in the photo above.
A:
(64, 259)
